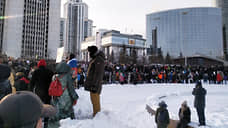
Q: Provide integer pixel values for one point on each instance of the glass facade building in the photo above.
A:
(223, 4)
(186, 31)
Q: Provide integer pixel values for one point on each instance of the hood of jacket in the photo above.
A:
(63, 67)
(101, 55)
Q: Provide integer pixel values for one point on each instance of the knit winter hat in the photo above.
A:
(42, 62)
(23, 109)
(162, 104)
(92, 49)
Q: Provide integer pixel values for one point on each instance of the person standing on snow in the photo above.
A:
(199, 102)
(94, 77)
(40, 83)
(67, 100)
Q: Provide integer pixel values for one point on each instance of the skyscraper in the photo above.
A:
(32, 29)
(223, 4)
(88, 28)
(2, 10)
(75, 12)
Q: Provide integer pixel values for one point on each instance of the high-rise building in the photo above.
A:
(88, 28)
(223, 4)
(75, 12)
(32, 29)
(187, 32)
(2, 12)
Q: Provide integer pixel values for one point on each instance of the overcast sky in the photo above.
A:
(129, 16)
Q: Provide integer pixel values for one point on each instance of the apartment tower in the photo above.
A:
(32, 29)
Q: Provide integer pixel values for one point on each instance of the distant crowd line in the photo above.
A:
(135, 74)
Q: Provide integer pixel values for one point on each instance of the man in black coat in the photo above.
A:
(40, 83)
(5, 86)
(199, 102)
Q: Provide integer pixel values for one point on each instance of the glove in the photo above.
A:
(75, 102)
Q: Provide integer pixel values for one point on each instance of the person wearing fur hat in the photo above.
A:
(40, 83)
(162, 115)
(184, 115)
(199, 102)
(94, 76)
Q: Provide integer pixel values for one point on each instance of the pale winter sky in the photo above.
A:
(129, 16)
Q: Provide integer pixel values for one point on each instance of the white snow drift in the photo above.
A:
(123, 106)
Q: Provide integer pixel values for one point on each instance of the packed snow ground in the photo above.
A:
(123, 106)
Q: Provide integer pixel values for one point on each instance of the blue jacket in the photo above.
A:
(73, 63)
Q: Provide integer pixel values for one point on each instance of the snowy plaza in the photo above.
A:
(123, 106)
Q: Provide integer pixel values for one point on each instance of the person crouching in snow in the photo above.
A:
(162, 115)
(184, 115)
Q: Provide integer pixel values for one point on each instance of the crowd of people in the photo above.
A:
(134, 74)
(22, 77)
(40, 95)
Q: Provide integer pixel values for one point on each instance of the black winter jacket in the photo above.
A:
(5, 87)
(166, 122)
(186, 115)
(199, 93)
(40, 81)
(21, 83)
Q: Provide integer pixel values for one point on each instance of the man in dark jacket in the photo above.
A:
(94, 77)
(5, 86)
(199, 102)
(40, 83)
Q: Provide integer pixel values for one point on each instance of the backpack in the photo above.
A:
(162, 117)
(55, 88)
